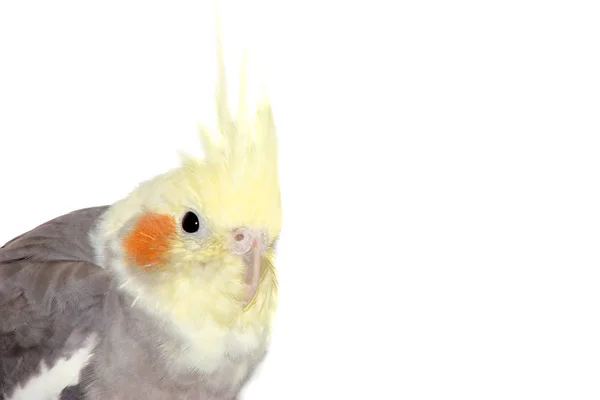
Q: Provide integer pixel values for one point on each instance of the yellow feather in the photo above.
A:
(236, 184)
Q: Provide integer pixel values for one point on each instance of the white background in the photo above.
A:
(439, 172)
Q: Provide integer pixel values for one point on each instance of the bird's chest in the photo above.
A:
(156, 376)
(223, 364)
(145, 361)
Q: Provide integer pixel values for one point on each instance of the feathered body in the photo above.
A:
(168, 293)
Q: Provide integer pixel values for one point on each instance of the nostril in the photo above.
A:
(240, 240)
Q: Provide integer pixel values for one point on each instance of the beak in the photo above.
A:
(253, 264)
(250, 244)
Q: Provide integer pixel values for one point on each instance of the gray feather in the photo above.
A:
(51, 295)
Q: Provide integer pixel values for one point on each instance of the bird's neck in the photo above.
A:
(141, 347)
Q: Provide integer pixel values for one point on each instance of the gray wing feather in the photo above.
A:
(51, 295)
(62, 239)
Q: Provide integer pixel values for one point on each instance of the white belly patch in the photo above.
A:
(50, 382)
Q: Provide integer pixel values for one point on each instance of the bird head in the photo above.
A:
(197, 243)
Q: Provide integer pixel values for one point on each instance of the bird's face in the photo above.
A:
(199, 244)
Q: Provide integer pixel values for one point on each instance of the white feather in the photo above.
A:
(49, 383)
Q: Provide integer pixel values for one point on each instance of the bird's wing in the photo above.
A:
(51, 301)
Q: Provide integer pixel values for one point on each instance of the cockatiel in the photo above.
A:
(167, 294)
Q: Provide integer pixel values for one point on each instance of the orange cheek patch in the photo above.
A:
(149, 239)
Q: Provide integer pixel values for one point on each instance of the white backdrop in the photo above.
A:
(439, 172)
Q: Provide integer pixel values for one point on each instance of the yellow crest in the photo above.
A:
(238, 178)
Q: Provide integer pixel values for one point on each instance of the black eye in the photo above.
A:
(190, 222)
